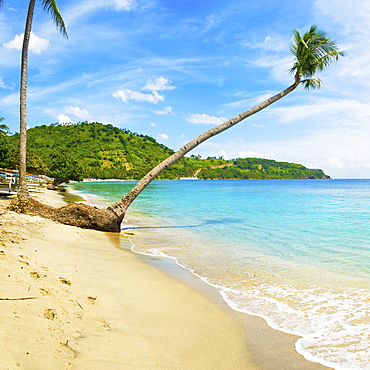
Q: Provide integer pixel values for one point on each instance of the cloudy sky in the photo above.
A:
(173, 69)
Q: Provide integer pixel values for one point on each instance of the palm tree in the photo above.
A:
(312, 53)
(4, 129)
(50, 6)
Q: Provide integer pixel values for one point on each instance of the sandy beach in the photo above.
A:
(74, 299)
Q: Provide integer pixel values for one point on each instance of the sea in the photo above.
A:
(294, 252)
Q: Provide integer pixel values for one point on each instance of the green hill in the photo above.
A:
(105, 151)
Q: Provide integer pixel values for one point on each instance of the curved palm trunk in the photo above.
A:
(23, 191)
(122, 205)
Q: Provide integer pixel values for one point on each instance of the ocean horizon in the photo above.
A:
(294, 252)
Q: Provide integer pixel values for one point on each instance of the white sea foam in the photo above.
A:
(325, 302)
(90, 199)
(334, 327)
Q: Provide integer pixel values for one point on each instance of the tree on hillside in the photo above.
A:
(313, 52)
(34, 163)
(63, 168)
(4, 150)
(51, 7)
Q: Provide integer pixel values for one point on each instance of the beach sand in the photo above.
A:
(74, 299)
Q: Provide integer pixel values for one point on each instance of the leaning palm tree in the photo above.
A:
(312, 53)
(50, 6)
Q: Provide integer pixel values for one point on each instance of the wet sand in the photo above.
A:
(74, 299)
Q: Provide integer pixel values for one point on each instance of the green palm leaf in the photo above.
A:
(313, 53)
(51, 7)
(4, 129)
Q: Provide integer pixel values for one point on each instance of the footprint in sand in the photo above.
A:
(36, 275)
(91, 299)
(44, 291)
(50, 314)
(65, 281)
(105, 325)
(72, 352)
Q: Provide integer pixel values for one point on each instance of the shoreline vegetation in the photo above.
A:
(95, 150)
(67, 162)
(76, 298)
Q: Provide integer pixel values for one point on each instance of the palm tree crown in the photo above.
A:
(313, 53)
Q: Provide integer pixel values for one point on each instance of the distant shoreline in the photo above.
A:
(188, 179)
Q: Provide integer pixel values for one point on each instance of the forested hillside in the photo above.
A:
(105, 151)
(255, 168)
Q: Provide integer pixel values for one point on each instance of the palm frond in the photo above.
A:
(4, 129)
(313, 52)
(51, 7)
(311, 83)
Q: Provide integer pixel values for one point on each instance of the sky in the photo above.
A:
(172, 69)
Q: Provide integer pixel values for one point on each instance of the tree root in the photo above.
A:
(76, 214)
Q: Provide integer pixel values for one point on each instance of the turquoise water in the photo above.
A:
(295, 252)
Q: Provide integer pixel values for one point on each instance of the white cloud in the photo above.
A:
(89, 6)
(206, 119)
(273, 43)
(353, 15)
(78, 112)
(158, 84)
(125, 95)
(10, 100)
(251, 100)
(37, 44)
(3, 86)
(121, 4)
(164, 111)
(335, 162)
(252, 154)
(152, 124)
(278, 67)
(163, 136)
(211, 21)
(62, 118)
(338, 112)
(352, 20)
(223, 153)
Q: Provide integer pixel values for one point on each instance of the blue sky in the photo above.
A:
(173, 69)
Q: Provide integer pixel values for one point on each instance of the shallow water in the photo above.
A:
(295, 252)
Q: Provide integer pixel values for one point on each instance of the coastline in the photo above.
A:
(93, 304)
(268, 348)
